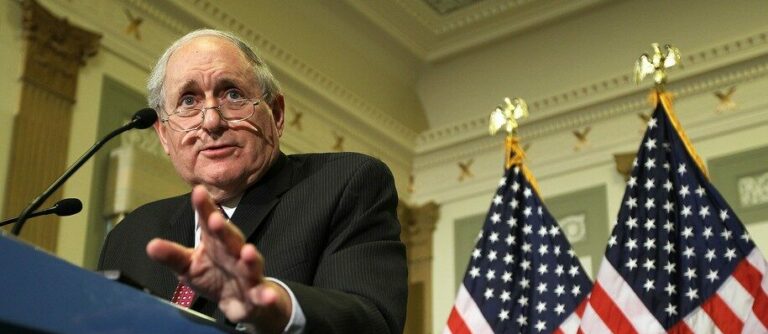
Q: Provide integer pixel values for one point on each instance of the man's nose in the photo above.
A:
(212, 118)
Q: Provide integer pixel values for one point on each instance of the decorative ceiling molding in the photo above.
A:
(433, 36)
(442, 148)
(606, 98)
(375, 119)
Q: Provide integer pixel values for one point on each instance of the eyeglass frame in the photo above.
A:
(167, 116)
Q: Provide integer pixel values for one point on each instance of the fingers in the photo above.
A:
(171, 254)
(214, 225)
(251, 264)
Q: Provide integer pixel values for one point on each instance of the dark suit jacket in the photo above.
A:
(326, 225)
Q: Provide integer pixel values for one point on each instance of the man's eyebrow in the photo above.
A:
(190, 85)
(226, 83)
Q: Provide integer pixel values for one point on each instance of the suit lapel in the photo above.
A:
(179, 229)
(262, 197)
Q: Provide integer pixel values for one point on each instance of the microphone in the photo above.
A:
(65, 207)
(142, 119)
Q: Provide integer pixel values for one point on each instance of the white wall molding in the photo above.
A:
(707, 69)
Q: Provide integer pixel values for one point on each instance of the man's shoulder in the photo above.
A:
(158, 210)
(320, 160)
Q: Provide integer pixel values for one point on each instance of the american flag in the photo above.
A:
(678, 260)
(523, 276)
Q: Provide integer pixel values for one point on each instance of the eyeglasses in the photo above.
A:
(190, 118)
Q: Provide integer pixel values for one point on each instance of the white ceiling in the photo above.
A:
(437, 29)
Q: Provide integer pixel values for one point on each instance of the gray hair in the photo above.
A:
(270, 88)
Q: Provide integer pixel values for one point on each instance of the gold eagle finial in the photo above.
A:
(657, 64)
(506, 115)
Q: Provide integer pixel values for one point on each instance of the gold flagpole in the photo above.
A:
(657, 64)
(506, 116)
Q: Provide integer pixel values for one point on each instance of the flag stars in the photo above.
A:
(515, 186)
(669, 206)
(526, 247)
(573, 271)
(652, 123)
(494, 237)
(523, 300)
(557, 251)
(512, 222)
(503, 315)
(522, 320)
(726, 234)
(631, 223)
(649, 265)
(649, 244)
(631, 202)
(648, 286)
(543, 250)
(509, 259)
(576, 290)
(490, 275)
(554, 231)
(650, 144)
(687, 232)
(681, 169)
(690, 273)
(669, 226)
(689, 252)
(527, 211)
(514, 203)
(510, 240)
(724, 215)
(505, 296)
(631, 244)
(503, 181)
(650, 163)
(686, 211)
(649, 184)
(668, 185)
(707, 233)
(684, 191)
(542, 231)
(631, 264)
(540, 325)
(495, 217)
(632, 182)
(525, 265)
(671, 309)
(491, 256)
(527, 192)
(700, 191)
(612, 241)
(712, 276)
(474, 272)
(669, 247)
(527, 229)
(710, 255)
(669, 268)
(476, 253)
(497, 200)
(649, 203)
(670, 289)
(730, 253)
(704, 212)
(692, 294)
(559, 270)
(541, 307)
(745, 237)
(488, 293)
(559, 290)
(560, 309)
(543, 269)
(506, 277)
(650, 224)
(542, 287)
(525, 283)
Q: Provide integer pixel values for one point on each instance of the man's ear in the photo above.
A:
(278, 113)
(162, 135)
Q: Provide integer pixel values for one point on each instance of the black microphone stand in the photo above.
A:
(35, 204)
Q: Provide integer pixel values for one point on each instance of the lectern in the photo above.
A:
(40, 293)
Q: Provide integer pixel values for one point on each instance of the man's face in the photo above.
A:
(224, 157)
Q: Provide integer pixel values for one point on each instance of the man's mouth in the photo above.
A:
(218, 151)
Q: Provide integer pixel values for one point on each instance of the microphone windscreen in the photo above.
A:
(144, 118)
(68, 207)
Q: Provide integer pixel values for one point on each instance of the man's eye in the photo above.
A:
(187, 101)
(234, 95)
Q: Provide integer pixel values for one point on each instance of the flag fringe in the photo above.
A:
(665, 98)
(515, 155)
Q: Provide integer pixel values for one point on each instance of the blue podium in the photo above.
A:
(40, 293)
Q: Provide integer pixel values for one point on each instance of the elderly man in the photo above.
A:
(273, 242)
